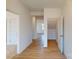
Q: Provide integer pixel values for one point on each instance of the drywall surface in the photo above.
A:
(52, 12)
(34, 34)
(68, 29)
(25, 23)
(49, 13)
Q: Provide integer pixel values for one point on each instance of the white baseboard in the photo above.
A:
(20, 51)
(45, 46)
(51, 39)
(68, 56)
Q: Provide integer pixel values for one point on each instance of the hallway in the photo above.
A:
(35, 51)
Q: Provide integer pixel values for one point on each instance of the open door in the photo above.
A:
(12, 31)
(61, 34)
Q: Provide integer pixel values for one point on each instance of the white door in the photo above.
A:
(12, 29)
(61, 34)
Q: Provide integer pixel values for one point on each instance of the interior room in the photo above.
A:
(39, 29)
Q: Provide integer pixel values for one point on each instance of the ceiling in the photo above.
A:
(41, 4)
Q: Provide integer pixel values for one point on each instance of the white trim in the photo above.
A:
(21, 50)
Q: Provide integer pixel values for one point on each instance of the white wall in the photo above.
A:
(25, 28)
(50, 13)
(68, 29)
(39, 26)
(34, 35)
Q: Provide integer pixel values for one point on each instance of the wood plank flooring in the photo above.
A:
(10, 51)
(36, 51)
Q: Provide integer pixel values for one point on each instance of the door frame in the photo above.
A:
(17, 31)
(61, 34)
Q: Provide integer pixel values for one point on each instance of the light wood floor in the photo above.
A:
(10, 51)
(35, 51)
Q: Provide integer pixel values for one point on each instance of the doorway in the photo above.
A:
(52, 29)
(55, 32)
(38, 29)
(12, 34)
